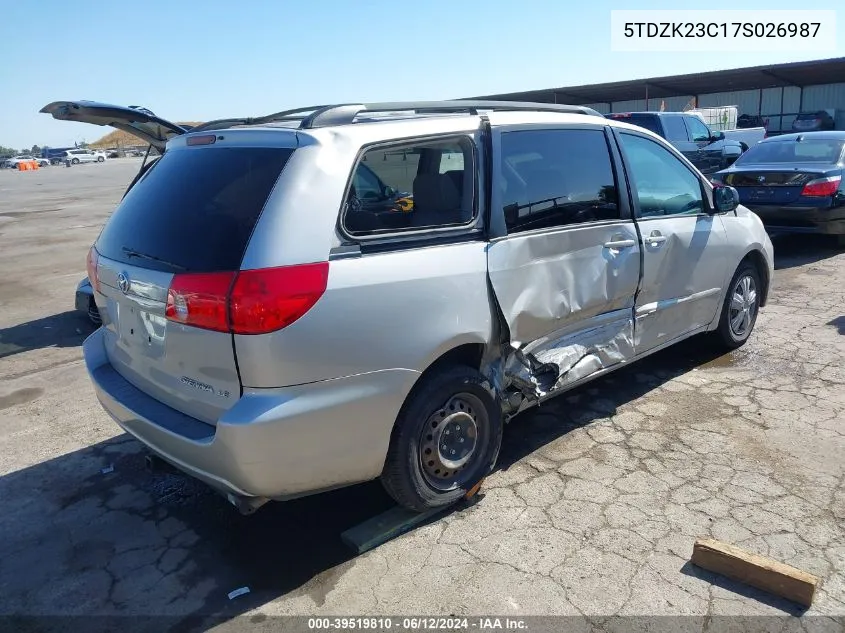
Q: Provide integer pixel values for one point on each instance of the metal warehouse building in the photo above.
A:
(777, 93)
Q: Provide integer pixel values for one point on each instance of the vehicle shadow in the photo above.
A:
(838, 323)
(711, 578)
(796, 250)
(68, 329)
(162, 537)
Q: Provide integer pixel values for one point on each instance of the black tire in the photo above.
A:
(94, 313)
(75, 161)
(476, 418)
(100, 159)
(726, 334)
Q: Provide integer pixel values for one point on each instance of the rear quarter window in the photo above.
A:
(415, 186)
(194, 210)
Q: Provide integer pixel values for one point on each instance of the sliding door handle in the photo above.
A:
(617, 244)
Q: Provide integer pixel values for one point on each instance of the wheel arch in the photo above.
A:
(758, 260)
(457, 352)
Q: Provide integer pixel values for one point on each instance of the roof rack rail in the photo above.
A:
(284, 115)
(345, 113)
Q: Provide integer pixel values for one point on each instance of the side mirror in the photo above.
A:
(725, 198)
(718, 135)
(389, 191)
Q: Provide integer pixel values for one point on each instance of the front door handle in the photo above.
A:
(655, 239)
(618, 244)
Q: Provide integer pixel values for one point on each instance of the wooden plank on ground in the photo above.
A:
(392, 523)
(385, 526)
(757, 571)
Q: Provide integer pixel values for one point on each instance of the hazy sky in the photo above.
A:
(195, 61)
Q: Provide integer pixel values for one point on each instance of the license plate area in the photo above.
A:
(140, 330)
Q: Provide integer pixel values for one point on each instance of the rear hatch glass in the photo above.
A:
(195, 210)
(192, 212)
(827, 151)
(648, 121)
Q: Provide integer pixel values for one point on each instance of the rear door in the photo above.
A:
(679, 136)
(137, 121)
(191, 214)
(685, 250)
(566, 272)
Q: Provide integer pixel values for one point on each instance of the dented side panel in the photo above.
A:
(566, 358)
(567, 299)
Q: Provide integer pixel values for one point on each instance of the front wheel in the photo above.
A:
(446, 440)
(75, 161)
(739, 311)
(100, 159)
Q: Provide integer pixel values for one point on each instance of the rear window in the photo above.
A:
(648, 121)
(809, 116)
(806, 151)
(194, 210)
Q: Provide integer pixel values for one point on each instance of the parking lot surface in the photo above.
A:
(593, 510)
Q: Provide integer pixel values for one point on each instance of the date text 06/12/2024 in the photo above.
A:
(722, 31)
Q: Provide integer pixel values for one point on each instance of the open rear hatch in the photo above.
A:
(135, 120)
(166, 263)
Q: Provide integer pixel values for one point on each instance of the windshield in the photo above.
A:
(806, 151)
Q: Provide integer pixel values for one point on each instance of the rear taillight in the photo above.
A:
(249, 301)
(91, 266)
(822, 187)
(269, 299)
(200, 300)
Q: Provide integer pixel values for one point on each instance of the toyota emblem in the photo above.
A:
(123, 283)
(761, 179)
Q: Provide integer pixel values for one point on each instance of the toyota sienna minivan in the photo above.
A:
(276, 324)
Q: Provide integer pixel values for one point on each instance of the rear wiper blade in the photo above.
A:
(131, 252)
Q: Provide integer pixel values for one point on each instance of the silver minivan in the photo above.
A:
(330, 295)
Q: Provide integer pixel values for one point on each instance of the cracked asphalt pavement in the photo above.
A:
(594, 508)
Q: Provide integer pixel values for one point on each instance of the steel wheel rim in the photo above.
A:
(450, 441)
(743, 306)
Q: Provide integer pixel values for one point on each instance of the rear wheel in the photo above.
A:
(446, 439)
(742, 303)
(100, 159)
(75, 161)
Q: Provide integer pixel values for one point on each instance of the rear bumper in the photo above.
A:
(788, 219)
(272, 443)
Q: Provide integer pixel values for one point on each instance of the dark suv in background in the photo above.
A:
(707, 149)
(813, 122)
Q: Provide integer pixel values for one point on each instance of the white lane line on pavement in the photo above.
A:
(82, 274)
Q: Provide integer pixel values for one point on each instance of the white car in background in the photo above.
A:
(76, 156)
(13, 162)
